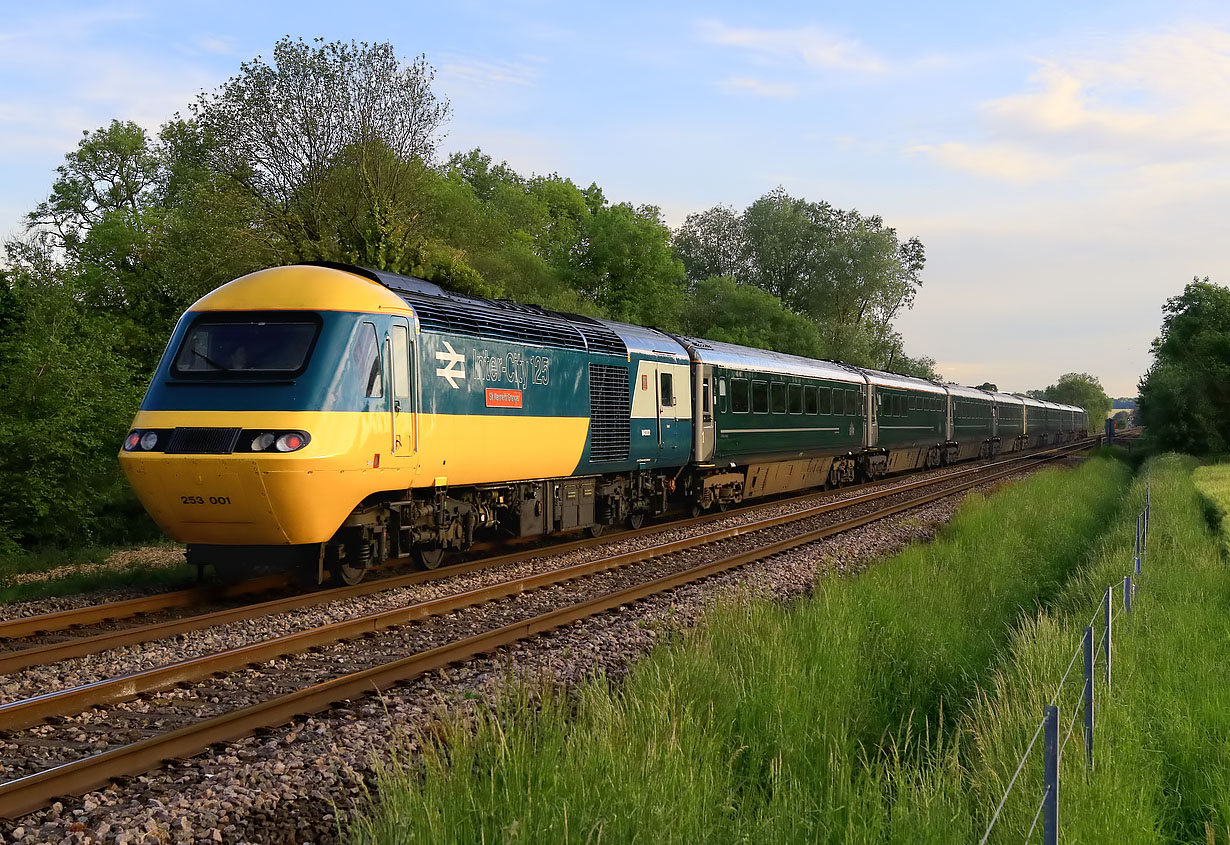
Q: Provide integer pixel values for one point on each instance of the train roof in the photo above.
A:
(440, 310)
(1008, 399)
(737, 357)
(968, 392)
(645, 341)
(884, 379)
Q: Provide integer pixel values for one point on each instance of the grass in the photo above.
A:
(846, 717)
(63, 572)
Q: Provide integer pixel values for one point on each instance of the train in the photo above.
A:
(322, 418)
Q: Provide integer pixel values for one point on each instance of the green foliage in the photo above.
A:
(986, 385)
(1083, 390)
(848, 273)
(68, 396)
(1184, 402)
(722, 309)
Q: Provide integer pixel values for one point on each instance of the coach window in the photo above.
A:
(366, 357)
(760, 397)
(795, 396)
(851, 403)
(740, 401)
(777, 392)
(826, 401)
(811, 404)
(668, 392)
(722, 395)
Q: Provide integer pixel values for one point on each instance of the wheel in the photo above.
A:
(636, 520)
(347, 573)
(429, 558)
(597, 529)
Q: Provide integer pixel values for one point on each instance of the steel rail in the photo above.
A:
(17, 660)
(27, 712)
(60, 620)
(29, 793)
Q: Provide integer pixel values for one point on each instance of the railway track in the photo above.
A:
(132, 738)
(28, 641)
(42, 640)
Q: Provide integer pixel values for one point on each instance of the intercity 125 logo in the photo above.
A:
(454, 365)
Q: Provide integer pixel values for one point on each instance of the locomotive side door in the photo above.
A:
(398, 345)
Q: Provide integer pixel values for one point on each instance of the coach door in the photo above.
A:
(400, 368)
(702, 412)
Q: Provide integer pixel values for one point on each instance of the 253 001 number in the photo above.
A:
(200, 500)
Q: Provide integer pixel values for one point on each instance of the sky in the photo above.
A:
(1067, 166)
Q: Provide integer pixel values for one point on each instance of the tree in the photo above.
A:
(990, 386)
(720, 308)
(848, 273)
(326, 139)
(1183, 397)
(1083, 390)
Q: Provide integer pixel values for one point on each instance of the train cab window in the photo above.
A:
(252, 345)
(365, 353)
(777, 392)
(811, 404)
(722, 395)
(400, 365)
(740, 396)
(760, 397)
(826, 401)
(668, 389)
(795, 397)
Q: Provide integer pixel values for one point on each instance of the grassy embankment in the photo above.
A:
(58, 572)
(845, 717)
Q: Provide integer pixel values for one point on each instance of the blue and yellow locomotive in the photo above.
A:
(324, 418)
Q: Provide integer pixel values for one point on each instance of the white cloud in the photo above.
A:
(997, 161)
(1153, 97)
(809, 45)
(759, 88)
(463, 71)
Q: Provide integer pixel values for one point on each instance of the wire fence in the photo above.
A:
(1107, 614)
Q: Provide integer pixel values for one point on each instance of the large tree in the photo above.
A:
(848, 273)
(1184, 401)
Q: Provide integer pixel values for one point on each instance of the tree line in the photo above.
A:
(330, 151)
(1184, 397)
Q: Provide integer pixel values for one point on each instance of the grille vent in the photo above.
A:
(203, 441)
(609, 413)
(602, 339)
(449, 316)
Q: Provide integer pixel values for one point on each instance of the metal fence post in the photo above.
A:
(1127, 593)
(1050, 777)
(1106, 617)
(1087, 695)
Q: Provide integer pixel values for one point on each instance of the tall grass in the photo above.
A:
(1162, 731)
(842, 718)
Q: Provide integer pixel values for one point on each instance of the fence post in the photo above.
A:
(1127, 593)
(1106, 610)
(1087, 695)
(1050, 777)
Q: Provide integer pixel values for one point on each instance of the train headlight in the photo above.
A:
(149, 440)
(291, 441)
(132, 441)
(262, 442)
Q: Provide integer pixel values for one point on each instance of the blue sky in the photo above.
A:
(1067, 168)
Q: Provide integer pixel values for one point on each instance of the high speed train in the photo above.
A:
(323, 418)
